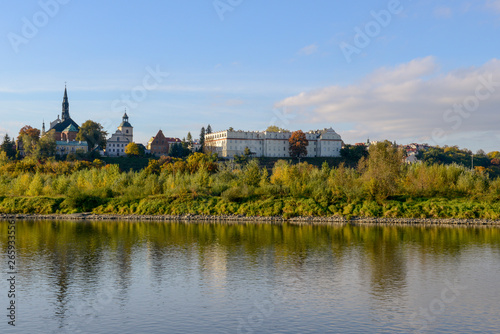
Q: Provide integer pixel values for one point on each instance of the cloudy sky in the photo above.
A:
(409, 70)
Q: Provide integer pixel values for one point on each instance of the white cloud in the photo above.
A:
(408, 101)
(494, 4)
(443, 12)
(309, 50)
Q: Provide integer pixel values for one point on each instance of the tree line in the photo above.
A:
(380, 185)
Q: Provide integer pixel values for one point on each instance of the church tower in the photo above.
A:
(126, 129)
(65, 106)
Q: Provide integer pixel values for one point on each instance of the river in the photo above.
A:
(155, 277)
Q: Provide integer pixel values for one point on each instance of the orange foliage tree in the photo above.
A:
(298, 144)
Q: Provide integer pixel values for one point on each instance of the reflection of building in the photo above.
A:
(322, 143)
(160, 145)
(115, 146)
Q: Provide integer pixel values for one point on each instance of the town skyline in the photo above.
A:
(398, 70)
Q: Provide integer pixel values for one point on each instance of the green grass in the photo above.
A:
(287, 207)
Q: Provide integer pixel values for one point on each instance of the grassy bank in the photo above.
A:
(287, 207)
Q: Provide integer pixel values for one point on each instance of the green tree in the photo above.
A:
(353, 153)
(189, 139)
(202, 139)
(46, 147)
(9, 147)
(298, 144)
(93, 134)
(29, 145)
(382, 169)
(132, 150)
(209, 129)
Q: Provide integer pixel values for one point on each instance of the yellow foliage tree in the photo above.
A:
(132, 149)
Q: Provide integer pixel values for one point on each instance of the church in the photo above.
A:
(115, 146)
(65, 130)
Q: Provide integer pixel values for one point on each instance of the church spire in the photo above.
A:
(65, 106)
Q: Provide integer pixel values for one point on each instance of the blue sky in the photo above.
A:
(425, 71)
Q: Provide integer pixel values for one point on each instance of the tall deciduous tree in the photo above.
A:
(298, 144)
(30, 131)
(132, 149)
(93, 134)
(382, 169)
(46, 147)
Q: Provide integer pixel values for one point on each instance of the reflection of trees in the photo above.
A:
(88, 255)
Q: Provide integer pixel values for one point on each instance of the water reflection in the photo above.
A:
(189, 277)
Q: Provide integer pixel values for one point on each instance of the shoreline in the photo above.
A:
(255, 219)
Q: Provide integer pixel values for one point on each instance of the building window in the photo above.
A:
(127, 131)
(117, 138)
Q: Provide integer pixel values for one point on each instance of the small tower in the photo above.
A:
(126, 129)
(65, 106)
(43, 128)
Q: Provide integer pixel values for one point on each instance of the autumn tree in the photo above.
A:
(132, 150)
(274, 128)
(298, 144)
(93, 134)
(29, 137)
(30, 131)
(382, 168)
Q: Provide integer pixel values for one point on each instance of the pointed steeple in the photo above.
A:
(43, 128)
(65, 106)
(125, 116)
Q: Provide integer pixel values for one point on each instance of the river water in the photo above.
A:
(149, 277)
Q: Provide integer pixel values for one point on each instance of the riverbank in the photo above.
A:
(256, 219)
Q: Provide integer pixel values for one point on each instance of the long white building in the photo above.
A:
(322, 143)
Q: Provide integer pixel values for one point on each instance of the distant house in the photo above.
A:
(195, 146)
(115, 146)
(67, 147)
(160, 145)
(411, 159)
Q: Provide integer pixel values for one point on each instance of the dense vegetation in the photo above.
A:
(380, 186)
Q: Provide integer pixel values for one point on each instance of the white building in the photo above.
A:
(322, 143)
(115, 146)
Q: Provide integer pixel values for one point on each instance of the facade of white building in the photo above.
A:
(322, 143)
(115, 146)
